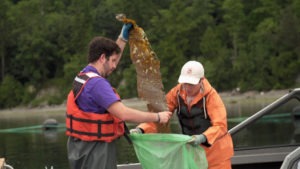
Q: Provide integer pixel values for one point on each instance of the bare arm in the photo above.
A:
(123, 37)
(125, 113)
(122, 45)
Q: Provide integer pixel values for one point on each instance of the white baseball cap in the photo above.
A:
(191, 72)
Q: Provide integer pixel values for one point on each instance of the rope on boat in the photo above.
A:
(6, 166)
(30, 128)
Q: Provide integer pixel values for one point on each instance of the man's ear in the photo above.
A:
(102, 58)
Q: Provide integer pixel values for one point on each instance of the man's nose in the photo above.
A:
(114, 66)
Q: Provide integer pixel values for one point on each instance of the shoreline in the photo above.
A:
(227, 97)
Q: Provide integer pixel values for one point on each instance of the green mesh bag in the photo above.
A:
(168, 151)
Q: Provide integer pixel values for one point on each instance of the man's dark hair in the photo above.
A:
(102, 45)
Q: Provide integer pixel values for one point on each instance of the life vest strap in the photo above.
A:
(99, 122)
(98, 134)
(89, 120)
(80, 80)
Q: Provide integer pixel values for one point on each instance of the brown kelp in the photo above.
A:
(147, 65)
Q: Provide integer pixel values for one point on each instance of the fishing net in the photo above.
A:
(168, 151)
(147, 65)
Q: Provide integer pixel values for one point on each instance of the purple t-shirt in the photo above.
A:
(97, 95)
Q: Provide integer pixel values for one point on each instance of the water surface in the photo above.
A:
(24, 144)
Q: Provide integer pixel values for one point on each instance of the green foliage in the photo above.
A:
(128, 86)
(178, 31)
(253, 45)
(30, 92)
(4, 34)
(73, 67)
(11, 92)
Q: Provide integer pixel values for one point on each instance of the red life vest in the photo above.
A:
(90, 126)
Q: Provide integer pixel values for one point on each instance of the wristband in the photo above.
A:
(158, 118)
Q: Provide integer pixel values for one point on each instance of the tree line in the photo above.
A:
(251, 45)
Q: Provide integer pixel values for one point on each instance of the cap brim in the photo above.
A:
(188, 79)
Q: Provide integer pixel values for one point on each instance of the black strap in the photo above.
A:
(77, 86)
(126, 134)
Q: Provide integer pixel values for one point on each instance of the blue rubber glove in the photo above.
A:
(197, 139)
(124, 35)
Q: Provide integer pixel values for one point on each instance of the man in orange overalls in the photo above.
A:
(201, 114)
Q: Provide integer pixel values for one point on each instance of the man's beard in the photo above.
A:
(106, 70)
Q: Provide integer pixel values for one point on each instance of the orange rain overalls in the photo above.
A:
(220, 149)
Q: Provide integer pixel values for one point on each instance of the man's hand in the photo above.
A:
(124, 35)
(197, 139)
(163, 117)
(136, 131)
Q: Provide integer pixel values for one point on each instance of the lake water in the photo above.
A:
(25, 145)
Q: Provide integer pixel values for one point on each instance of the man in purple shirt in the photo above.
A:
(103, 93)
(93, 97)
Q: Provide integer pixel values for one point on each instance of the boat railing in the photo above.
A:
(295, 93)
